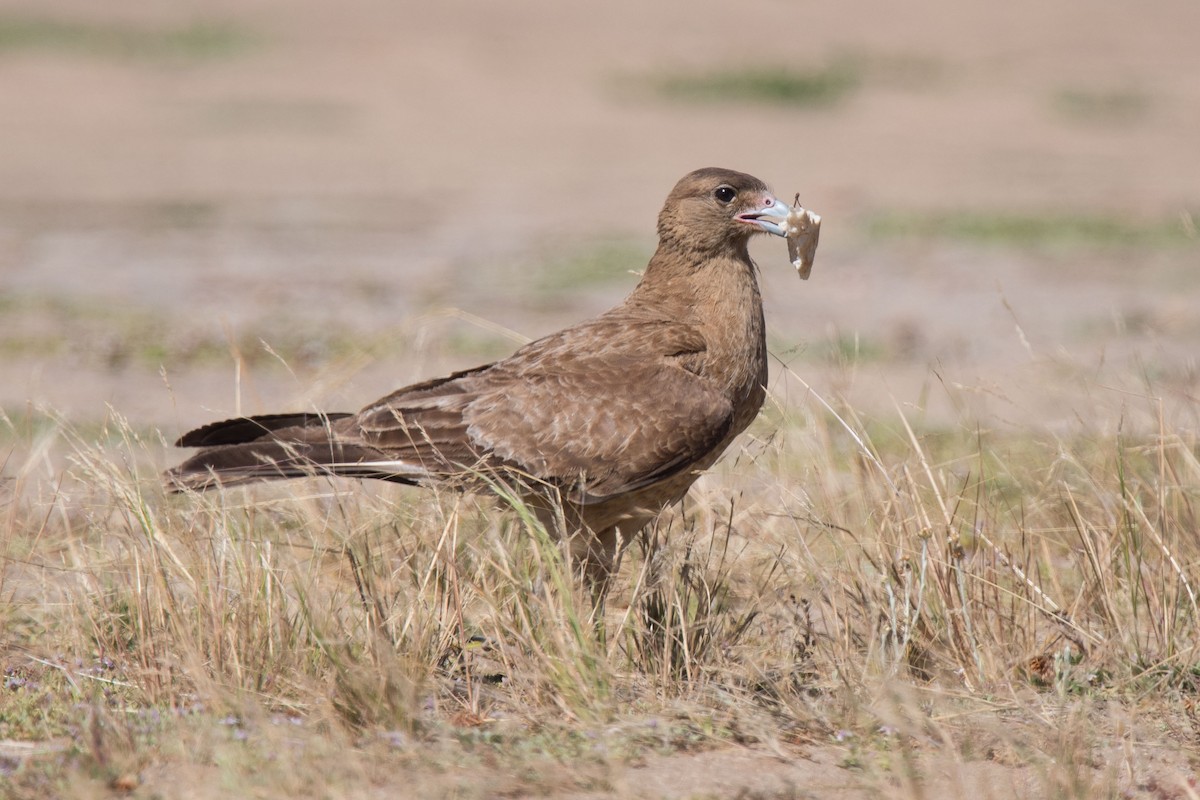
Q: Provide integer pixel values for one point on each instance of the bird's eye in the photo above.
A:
(725, 194)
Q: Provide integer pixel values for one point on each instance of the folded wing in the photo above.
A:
(595, 411)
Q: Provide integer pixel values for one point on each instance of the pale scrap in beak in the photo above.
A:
(769, 218)
(803, 231)
(801, 228)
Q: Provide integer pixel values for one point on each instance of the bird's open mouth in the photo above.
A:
(770, 217)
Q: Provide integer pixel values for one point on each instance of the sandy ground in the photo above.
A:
(362, 167)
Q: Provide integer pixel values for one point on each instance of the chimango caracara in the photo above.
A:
(601, 425)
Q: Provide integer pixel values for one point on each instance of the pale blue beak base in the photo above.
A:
(770, 217)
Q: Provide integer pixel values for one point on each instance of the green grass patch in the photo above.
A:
(266, 113)
(114, 336)
(851, 348)
(818, 87)
(601, 263)
(469, 342)
(841, 348)
(1052, 229)
(32, 346)
(557, 277)
(180, 214)
(200, 40)
(1116, 106)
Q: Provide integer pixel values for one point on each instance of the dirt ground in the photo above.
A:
(335, 176)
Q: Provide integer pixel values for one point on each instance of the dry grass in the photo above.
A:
(895, 594)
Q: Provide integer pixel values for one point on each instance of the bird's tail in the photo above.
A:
(276, 446)
(231, 465)
(242, 430)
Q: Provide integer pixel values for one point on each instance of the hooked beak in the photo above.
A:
(768, 217)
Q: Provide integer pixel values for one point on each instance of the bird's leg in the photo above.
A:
(595, 557)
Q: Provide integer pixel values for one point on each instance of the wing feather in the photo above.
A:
(602, 408)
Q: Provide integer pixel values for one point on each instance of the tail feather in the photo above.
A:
(231, 465)
(241, 430)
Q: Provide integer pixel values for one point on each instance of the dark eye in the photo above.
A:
(725, 194)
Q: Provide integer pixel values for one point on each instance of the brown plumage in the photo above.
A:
(610, 420)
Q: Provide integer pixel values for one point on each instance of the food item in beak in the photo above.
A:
(803, 230)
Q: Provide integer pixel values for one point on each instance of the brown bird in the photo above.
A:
(601, 425)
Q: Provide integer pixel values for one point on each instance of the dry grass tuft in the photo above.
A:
(892, 593)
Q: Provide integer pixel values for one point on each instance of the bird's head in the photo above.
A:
(717, 209)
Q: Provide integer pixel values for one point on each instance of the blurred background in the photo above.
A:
(220, 207)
